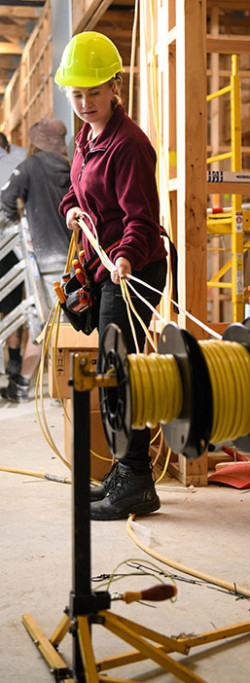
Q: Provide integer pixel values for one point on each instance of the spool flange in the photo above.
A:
(115, 402)
(189, 434)
(240, 332)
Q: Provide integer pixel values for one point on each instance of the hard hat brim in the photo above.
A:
(82, 81)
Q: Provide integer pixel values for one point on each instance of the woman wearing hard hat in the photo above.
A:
(113, 181)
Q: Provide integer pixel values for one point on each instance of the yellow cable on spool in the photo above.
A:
(156, 389)
(229, 369)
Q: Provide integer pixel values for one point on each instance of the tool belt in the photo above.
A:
(79, 306)
(76, 294)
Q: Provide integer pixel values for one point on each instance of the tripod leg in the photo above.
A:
(55, 661)
(216, 634)
(113, 624)
(60, 631)
(84, 637)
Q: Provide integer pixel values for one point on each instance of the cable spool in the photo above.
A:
(115, 403)
(189, 433)
(198, 391)
(241, 334)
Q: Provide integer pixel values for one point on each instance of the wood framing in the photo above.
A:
(173, 65)
(29, 95)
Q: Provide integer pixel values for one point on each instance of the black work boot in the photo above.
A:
(129, 491)
(17, 390)
(99, 492)
(13, 366)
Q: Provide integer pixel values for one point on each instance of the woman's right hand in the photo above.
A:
(71, 217)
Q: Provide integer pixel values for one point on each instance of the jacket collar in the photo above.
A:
(105, 138)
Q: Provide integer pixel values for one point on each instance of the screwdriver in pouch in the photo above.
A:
(59, 292)
(79, 271)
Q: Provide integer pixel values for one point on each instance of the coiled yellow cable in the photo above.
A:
(156, 389)
(229, 369)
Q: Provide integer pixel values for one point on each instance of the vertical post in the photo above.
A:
(81, 554)
(237, 218)
(191, 158)
(215, 260)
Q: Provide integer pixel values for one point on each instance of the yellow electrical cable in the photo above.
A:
(182, 568)
(156, 389)
(45, 428)
(113, 577)
(127, 294)
(155, 437)
(127, 302)
(157, 392)
(39, 475)
(165, 467)
(229, 370)
(101, 457)
(155, 112)
(45, 338)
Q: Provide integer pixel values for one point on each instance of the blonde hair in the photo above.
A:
(117, 81)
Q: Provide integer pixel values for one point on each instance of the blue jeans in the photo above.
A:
(112, 309)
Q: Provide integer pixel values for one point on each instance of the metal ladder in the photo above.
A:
(30, 310)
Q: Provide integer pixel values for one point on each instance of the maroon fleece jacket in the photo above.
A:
(114, 182)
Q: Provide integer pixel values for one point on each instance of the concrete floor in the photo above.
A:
(203, 528)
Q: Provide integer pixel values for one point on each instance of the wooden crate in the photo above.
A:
(59, 359)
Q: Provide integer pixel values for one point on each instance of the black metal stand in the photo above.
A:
(86, 607)
(82, 600)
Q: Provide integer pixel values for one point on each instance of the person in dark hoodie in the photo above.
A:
(40, 182)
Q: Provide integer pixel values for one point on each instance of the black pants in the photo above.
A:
(112, 309)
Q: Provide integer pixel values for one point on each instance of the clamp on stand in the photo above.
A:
(86, 607)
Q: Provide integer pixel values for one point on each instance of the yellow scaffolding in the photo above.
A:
(234, 221)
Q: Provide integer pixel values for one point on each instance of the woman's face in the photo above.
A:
(92, 105)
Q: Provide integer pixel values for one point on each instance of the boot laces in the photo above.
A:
(109, 473)
(116, 481)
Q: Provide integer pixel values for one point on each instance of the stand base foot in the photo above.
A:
(136, 635)
(58, 666)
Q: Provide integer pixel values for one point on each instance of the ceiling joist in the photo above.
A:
(23, 3)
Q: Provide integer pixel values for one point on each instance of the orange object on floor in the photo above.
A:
(236, 475)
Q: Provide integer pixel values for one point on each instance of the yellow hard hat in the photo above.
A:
(89, 59)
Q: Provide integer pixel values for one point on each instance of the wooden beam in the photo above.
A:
(116, 34)
(20, 12)
(13, 31)
(5, 74)
(229, 5)
(226, 73)
(228, 188)
(7, 62)
(192, 202)
(10, 49)
(118, 16)
(86, 14)
(23, 3)
(228, 45)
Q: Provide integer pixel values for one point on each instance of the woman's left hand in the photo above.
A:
(122, 269)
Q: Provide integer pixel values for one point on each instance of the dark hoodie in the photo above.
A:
(41, 181)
